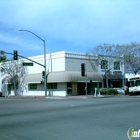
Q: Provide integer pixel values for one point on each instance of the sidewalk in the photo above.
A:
(66, 97)
(54, 97)
(83, 97)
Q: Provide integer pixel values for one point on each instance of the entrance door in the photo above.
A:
(90, 88)
(81, 89)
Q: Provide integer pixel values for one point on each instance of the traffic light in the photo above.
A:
(83, 69)
(43, 74)
(15, 55)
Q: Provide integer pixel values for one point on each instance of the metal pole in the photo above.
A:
(86, 85)
(45, 79)
(86, 78)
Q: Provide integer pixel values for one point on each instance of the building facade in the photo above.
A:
(112, 69)
(63, 76)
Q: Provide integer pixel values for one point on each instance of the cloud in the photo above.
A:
(81, 23)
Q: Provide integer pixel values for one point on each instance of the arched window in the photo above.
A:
(116, 65)
(104, 64)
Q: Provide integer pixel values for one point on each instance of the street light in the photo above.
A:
(45, 79)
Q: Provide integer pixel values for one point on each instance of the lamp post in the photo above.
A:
(45, 79)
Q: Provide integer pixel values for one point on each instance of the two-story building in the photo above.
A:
(64, 74)
(112, 69)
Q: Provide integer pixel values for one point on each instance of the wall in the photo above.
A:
(54, 62)
(60, 91)
(60, 61)
(73, 62)
(111, 65)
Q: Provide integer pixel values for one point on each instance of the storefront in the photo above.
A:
(64, 83)
(115, 80)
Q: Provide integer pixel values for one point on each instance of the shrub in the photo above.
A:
(109, 91)
(103, 91)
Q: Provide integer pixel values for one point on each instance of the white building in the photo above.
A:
(112, 68)
(63, 75)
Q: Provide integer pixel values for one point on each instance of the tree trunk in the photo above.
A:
(15, 89)
(106, 77)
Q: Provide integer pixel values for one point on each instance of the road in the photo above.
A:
(68, 119)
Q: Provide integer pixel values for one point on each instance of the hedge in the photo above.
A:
(110, 91)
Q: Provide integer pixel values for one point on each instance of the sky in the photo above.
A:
(67, 25)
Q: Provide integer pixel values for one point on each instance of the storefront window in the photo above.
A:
(32, 86)
(69, 88)
(52, 85)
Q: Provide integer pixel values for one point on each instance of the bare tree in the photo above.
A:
(128, 54)
(106, 54)
(16, 74)
(131, 56)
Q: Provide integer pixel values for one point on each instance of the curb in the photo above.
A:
(65, 97)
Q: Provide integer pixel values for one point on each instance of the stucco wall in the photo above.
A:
(60, 91)
(75, 64)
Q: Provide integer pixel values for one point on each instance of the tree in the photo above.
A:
(106, 54)
(128, 54)
(3, 58)
(131, 56)
(16, 74)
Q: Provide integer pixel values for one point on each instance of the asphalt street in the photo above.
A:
(68, 119)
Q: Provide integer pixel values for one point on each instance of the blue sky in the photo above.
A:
(67, 25)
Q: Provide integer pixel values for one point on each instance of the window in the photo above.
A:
(132, 83)
(32, 86)
(69, 88)
(52, 85)
(104, 64)
(117, 65)
(137, 82)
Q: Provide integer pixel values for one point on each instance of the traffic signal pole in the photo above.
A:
(23, 57)
(86, 78)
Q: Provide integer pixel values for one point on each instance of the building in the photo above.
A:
(112, 69)
(63, 75)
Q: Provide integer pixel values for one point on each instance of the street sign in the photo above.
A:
(1, 52)
(27, 64)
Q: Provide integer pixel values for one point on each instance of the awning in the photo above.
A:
(64, 76)
(114, 76)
